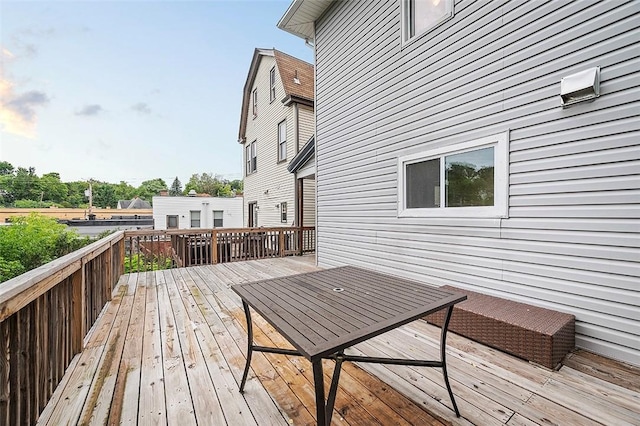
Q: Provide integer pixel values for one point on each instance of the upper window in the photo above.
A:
(282, 141)
(465, 180)
(283, 212)
(195, 218)
(272, 84)
(217, 218)
(251, 158)
(420, 16)
(254, 100)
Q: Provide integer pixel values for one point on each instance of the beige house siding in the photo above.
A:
(306, 123)
(272, 184)
(309, 211)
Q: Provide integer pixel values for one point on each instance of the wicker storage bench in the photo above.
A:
(539, 335)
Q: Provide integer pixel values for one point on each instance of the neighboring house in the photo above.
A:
(445, 153)
(136, 203)
(197, 212)
(277, 119)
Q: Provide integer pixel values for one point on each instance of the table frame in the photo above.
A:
(324, 407)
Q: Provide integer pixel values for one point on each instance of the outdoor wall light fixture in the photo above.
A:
(277, 206)
(579, 87)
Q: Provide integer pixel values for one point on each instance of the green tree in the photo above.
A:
(237, 186)
(75, 195)
(206, 183)
(150, 188)
(176, 188)
(6, 190)
(53, 189)
(104, 195)
(31, 241)
(26, 184)
(6, 168)
(124, 191)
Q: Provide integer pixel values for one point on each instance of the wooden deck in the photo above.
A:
(170, 349)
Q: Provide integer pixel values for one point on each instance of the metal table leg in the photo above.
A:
(443, 354)
(247, 314)
(324, 409)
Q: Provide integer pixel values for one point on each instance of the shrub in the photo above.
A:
(31, 241)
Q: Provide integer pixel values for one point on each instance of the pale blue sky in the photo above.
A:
(130, 90)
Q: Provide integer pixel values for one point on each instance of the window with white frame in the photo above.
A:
(468, 179)
(272, 84)
(251, 158)
(282, 141)
(218, 218)
(420, 16)
(254, 100)
(195, 218)
(283, 212)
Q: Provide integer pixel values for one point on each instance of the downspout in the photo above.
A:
(296, 138)
(315, 132)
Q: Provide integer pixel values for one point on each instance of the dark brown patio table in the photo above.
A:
(324, 312)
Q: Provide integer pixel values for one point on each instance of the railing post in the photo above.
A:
(78, 309)
(214, 246)
(300, 240)
(109, 283)
(5, 372)
(281, 242)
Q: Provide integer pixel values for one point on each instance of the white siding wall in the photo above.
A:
(182, 206)
(309, 199)
(271, 177)
(306, 122)
(571, 241)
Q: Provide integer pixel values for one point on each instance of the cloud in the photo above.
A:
(6, 54)
(18, 112)
(90, 110)
(142, 108)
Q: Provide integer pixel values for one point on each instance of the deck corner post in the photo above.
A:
(214, 246)
(281, 242)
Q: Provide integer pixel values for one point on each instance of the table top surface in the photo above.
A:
(323, 312)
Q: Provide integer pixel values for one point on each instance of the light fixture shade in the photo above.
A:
(579, 87)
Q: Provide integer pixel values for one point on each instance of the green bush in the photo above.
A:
(142, 263)
(31, 241)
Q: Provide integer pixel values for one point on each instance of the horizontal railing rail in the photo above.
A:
(45, 315)
(175, 248)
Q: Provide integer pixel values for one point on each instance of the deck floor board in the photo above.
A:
(171, 346)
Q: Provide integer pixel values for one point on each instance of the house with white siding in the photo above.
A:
(489, 145)
(196, 212)
(276, 121)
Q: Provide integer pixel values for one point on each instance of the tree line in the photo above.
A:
(21, 187)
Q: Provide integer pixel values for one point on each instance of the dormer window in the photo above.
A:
(272, 84)
(254, 97)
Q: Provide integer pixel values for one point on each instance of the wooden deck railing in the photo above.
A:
(45, 315)
(149, 249)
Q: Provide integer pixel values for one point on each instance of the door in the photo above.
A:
(253, 214)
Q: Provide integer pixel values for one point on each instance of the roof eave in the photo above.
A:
(303, 155)
(297, 99)
(301, 15)
(251, 75)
